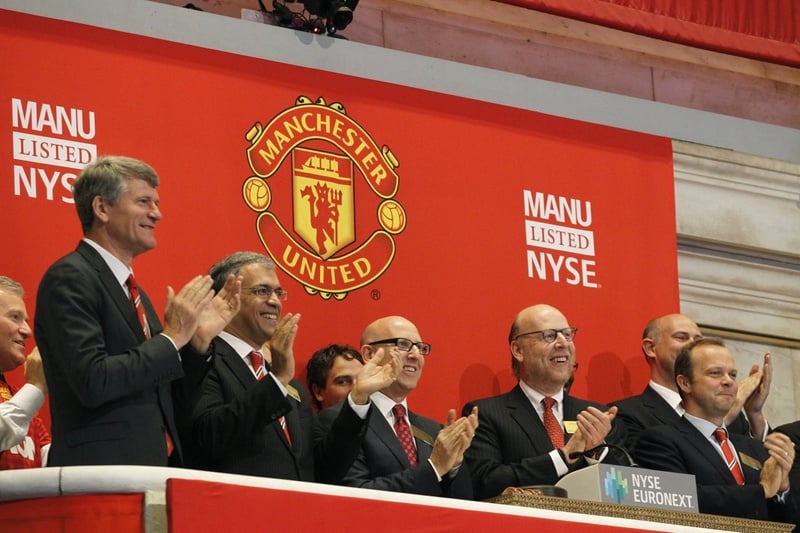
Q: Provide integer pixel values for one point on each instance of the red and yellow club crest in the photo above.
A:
(314, 165)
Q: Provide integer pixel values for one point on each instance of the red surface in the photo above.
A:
(209, 506)
(120, 513)
(458, 269)
(768, 30)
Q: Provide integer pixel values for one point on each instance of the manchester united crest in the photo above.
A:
(324, 193)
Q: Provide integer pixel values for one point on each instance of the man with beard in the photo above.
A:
(536, 433)
(403, 451)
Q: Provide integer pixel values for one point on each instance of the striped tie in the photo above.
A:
(733, 465)
(257, 360)
(136, 300)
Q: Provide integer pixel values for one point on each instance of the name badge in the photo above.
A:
(752, 462)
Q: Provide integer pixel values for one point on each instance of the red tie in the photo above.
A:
(136, 300)
(404, 433)
(733, 465)
(554, 429)
(257, 360)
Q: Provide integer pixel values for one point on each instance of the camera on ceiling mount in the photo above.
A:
(318, 16)
(337, 13)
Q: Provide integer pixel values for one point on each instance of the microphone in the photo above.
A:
(590, 451)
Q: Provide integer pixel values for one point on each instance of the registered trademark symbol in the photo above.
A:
(375, 294)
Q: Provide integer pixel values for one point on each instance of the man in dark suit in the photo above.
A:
(403, 451)
(792, 430)
(660, 403)
(736, 475)
(512, 446)
(109, 365)
(249, 417)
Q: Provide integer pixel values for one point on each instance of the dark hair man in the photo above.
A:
(736, 475)
(249, 417)
(330, 374)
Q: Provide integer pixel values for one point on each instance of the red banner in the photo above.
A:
(391, 200)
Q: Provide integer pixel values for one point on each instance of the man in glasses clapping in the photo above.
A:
(401, 450)
(536, 433)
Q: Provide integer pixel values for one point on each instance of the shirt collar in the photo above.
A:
(241, 348)
(536, 397)
(118, 268)
(672, 398)
(702, 425)
(385, 404)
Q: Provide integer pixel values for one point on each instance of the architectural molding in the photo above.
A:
(738, 203)
(738, 295)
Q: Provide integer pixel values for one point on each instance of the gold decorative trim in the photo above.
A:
(642, 513)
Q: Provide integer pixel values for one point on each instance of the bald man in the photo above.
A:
(513, 446)
(663, 339)
(431, 460)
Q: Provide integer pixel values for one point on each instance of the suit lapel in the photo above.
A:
(115, 291)
(705, 449)
(234, 363)
(380, 426)
(570, 412)
(745, 446)
(659, 407)
(245, 377)
(422, 438)
(526, 417)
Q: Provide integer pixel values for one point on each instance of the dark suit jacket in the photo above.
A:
(682, 448)
(235, 426)
(110, 392)
(792, 429)
(511, 446)
(382, 464)
(649, 409)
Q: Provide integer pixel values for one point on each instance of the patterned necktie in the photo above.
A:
(257, 360)
(554, 429)
(733, 465)
(404, 433)
(136, 300)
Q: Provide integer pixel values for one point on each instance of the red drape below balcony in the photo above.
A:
(767, 30)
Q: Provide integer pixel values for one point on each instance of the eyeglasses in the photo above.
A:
(265, 291)
(549, 335)
(405, 345)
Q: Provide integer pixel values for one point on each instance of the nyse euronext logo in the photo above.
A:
(616, 486)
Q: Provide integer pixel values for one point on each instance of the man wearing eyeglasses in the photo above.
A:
(403, 451)
(536, 433)
(249, 416)
(663, 339)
